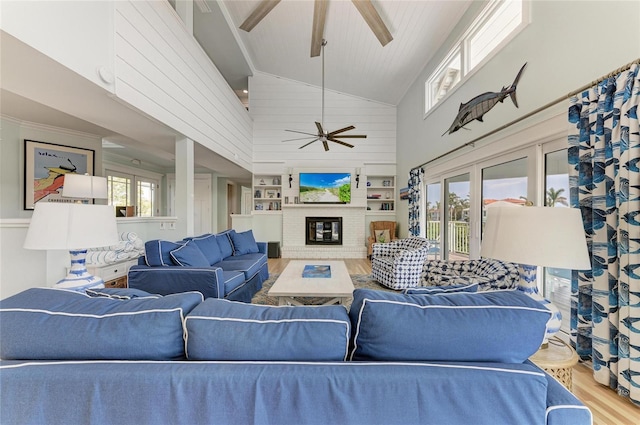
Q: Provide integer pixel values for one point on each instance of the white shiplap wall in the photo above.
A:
(163, 72)
(278, 104)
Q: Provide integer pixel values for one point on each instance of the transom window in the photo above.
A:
(499, 21)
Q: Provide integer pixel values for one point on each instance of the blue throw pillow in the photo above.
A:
(189, 255)
(209, 247)
(158, 252)
(220, 329)
(58, 324)
(491, 326)
(244, 243)
(448, 289)
(225, 244)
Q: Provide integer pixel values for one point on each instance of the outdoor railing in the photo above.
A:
(458, 234)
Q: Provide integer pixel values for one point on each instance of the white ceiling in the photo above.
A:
(280, 44)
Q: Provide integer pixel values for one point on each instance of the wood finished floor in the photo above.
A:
(607, 407)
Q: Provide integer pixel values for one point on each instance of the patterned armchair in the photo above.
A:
(399, 264)
(488, 273)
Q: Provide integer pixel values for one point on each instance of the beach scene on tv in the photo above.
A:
(325, 188)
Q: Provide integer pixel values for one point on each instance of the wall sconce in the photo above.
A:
(290, 171)
(357, 177)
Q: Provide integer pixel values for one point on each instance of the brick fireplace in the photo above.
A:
(295, 231)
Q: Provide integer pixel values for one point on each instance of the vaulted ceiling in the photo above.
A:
(356, 63)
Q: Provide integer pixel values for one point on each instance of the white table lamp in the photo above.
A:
(73, 227)
(536, 236)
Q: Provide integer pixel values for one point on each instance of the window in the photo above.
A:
(456, 217)
(495, 26)
(133, 190)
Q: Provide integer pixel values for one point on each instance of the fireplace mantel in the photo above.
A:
(294, 228)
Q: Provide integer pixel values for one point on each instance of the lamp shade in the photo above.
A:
(71, 226)
(537, 236)
(84, 186)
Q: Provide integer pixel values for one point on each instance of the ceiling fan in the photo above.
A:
(321, 135)
(365, 7)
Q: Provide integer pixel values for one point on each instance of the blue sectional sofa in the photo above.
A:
(122, 356)
(230, 265)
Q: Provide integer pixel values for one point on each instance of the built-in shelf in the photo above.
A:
(267, 193)
(381, 195)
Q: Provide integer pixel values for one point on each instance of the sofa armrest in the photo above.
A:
(170, 280)
(262, 247)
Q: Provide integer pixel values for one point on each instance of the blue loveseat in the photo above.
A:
(229, 265)
(122, 356)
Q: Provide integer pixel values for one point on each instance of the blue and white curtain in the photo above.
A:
(416, 176)
(604, 159)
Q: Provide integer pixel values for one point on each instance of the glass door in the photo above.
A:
(504, 184)
(557, 282)
(456, 217)
(433, 212)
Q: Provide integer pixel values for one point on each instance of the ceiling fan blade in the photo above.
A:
(258, 14)
(302, 132)
(320, 130)
(326, 145)
(373, 19)
(340, 142)
(307, 144)
(351, 136)
(333, 133)
(301, 138)
(317, 30)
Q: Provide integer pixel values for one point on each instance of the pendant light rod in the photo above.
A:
(324, 43)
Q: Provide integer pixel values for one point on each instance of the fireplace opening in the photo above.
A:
(323, 231)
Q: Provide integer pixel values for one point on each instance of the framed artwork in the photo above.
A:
(271, 194)
(45, 165)
(404, 193)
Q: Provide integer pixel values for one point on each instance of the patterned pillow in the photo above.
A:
(382, 236)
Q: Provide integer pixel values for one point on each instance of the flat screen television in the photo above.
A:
(325, 188)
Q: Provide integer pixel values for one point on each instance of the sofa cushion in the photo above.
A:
(120, 293)
(158, 252)
(228, 330)
(249, 264)
(225, 244)
(209, 247)
(492, 326)
(232, 280)
(244, 243)
(449, 289)
(189, 255)
(57, 324)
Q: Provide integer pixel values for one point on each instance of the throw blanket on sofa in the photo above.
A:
(129, 247)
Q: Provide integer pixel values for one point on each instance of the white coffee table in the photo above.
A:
(291, 285)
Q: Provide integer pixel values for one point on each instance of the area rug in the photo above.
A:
(359, 281)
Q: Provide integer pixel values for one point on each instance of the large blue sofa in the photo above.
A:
(229, 265)
(122, 356)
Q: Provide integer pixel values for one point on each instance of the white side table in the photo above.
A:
(114, 274)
